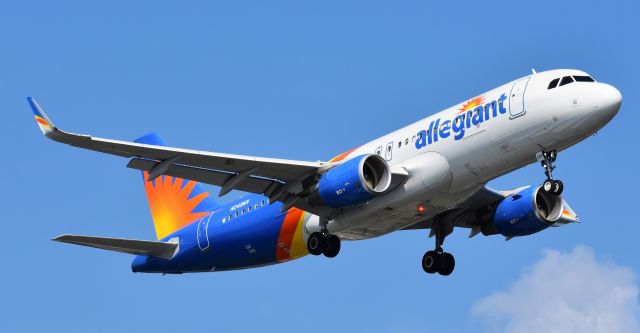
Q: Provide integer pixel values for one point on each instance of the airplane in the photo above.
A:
(431, 174)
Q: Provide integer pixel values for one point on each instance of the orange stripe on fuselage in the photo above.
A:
(288, 230)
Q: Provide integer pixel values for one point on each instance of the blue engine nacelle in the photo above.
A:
(354, 182)
(527, 212)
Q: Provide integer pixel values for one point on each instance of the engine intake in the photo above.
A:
(527, 212)
(354, 182)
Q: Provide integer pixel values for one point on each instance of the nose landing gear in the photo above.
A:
(547, 160)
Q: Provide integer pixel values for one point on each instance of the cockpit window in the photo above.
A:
(553, 83)
(566, 80)
(583, 78)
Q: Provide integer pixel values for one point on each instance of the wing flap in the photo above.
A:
(165, 250)
(208, 176)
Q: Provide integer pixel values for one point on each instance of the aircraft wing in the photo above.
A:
(467, 213)
(279, 179)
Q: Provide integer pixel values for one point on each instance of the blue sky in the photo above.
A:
(301, 80)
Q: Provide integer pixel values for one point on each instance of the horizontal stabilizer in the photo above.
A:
(165, 250)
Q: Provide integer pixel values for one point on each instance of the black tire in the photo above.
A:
(333, 246)
(316, 243)
(447, 264)
(431, 262)
(547, 186)
(558, 187)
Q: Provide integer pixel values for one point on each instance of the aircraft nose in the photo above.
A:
(609, 101)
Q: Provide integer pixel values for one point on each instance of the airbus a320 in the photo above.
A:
(431, 174)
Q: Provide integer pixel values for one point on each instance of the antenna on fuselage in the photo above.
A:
(533, 71)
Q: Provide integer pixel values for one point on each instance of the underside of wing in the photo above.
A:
(281, 169)
(467, 212)
(288, 181)
(512, 213)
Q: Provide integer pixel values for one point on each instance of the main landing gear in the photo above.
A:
(319, 243)
(547, 160)
(323, 243)
(438, 261)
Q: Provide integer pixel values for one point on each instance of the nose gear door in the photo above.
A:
(516, 98)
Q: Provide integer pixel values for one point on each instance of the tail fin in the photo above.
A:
(174, 202)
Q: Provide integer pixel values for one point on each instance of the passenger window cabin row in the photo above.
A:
(457, 120)
(240, 212)
(419, 135)
(569, 79)
(406, 141)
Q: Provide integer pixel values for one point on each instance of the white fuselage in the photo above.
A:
(449, 163)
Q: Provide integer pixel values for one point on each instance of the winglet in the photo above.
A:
(46, 126)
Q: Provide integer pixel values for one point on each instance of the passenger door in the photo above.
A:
(516, 98)
(203, 232)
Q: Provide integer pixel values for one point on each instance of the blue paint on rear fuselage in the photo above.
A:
(245, 241)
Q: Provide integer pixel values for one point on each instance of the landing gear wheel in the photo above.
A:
(333, 246)
(558, 187)
(431, 262)
(548, 186)
(316, 243)
(447, 264)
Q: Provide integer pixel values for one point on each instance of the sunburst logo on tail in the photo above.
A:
(171, 206)
(471, 104)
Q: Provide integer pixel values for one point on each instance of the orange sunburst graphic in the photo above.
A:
(42, 121)
(471, 104)
(171, 207)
